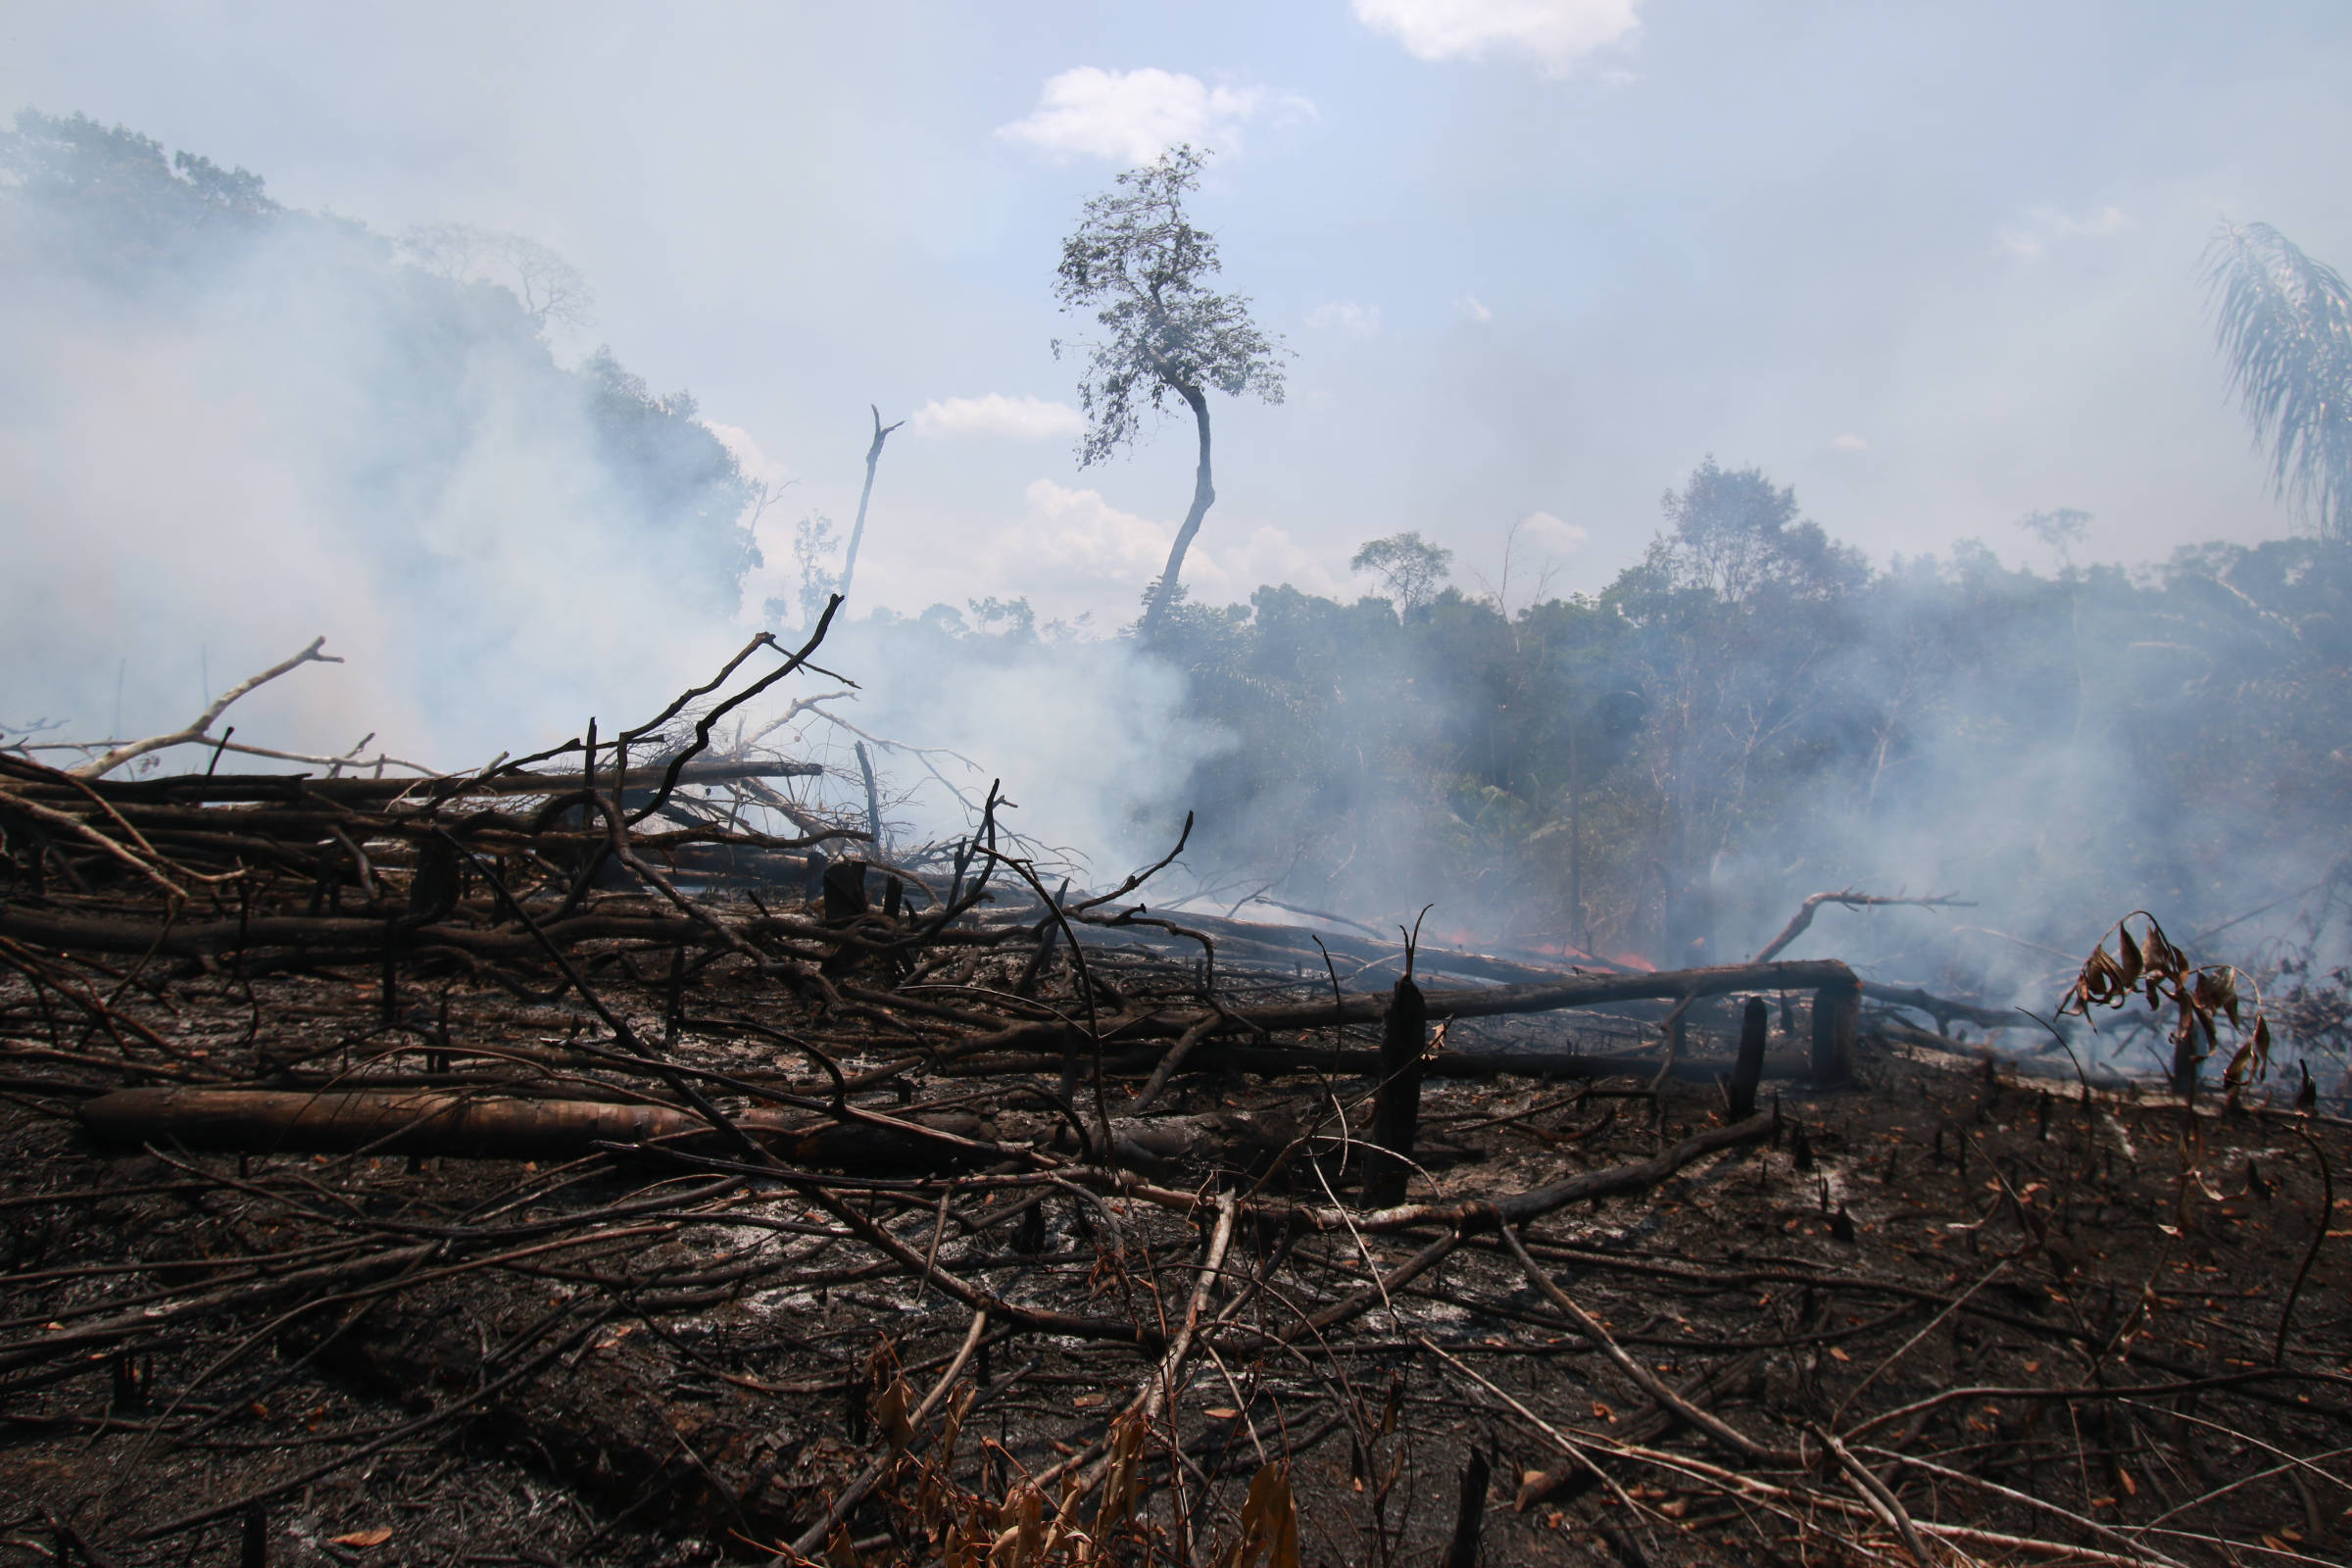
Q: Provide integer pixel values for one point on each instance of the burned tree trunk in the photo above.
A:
(845, 892)
(874, 458)
(1837, 1019)
(1748, 1070)
(1396, 1107)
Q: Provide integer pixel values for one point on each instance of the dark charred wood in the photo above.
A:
(1837, 1019)
(1748, 1071)
(1396, 1105)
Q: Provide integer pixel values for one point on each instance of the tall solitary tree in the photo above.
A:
(2285, 324)
(1139, 264)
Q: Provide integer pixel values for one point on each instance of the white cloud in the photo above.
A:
(1021, 419)
(1554, 33)
(1848, 442)
(1073, 541)
(1346, 315)
(2106, 220)
(756, 465)
(1474, 309)
(1268, 555)
(2033, 235)
(1073, 551)
(1551, 533)
(1132, 116)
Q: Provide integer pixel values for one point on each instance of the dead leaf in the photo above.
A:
(366, 1538)
(889, 1409)
(1269, 1522)
(1121, 1485)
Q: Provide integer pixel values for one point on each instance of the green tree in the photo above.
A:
(2285, 326)
(1140, 266)
(107, 202)
(1408, 565)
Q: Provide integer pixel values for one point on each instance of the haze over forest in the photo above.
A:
(539, 377)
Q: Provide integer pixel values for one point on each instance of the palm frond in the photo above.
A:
(2284, 323)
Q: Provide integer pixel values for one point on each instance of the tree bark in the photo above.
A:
(1204, 495)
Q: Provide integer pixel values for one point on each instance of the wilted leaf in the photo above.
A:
(889, 1409)
(1024, 1539)
(1120, 1484)
(958, 1408)
(2130, 969)
(2217, 992)
(1269, 1522)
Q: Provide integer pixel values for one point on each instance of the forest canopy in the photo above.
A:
(1752, 712)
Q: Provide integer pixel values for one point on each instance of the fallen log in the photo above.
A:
(1280, 1060)
(1942, 1009)
(1547, 996)
(482, 1126)
(192, 789)
(1262, 940)
(1481, 1002)
(378, 1121)
(499, 1126)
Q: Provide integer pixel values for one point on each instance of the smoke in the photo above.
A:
(205, 479)
(226, 429)
(277, 425)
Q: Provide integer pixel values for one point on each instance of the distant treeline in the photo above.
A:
(1751, 713)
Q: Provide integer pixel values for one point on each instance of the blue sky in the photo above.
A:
(1934, 266)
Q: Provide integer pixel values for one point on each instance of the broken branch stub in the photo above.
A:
(1748, 1071)
(1836, 1020)
(1396, 1107)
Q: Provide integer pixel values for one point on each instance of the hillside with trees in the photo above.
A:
(443, 333)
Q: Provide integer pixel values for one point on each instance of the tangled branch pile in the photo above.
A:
(546, 1164)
